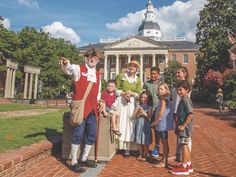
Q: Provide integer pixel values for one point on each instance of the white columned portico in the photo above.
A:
(10, 78)
(25, 86)
(153, 60)
(6, 95)
(117, 65)
(105, 68)
(10, 83)
(13, 83)
(35, 86)
(30, 86)
(141, 69)
(166, 60)
(28, 93)
(129, 58)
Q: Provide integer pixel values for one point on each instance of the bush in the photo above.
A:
(230, 86)
(203, 96)
(213, 80)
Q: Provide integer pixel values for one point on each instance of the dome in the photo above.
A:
(149, 25)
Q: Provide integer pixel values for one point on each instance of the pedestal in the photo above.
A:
(106, 145)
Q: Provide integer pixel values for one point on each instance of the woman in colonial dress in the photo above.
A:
(128, 89)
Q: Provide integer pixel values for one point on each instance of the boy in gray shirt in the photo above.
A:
(184, 127)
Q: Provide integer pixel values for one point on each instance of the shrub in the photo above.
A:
(213, 80)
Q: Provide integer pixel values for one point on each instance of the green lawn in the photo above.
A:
(12, 107)
(22, 131)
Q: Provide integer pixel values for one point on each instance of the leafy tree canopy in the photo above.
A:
(37, 48)
(216, 18)
(169, 72)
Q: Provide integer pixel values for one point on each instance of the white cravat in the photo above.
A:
(91, 74)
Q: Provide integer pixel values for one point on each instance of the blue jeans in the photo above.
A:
(88, 128)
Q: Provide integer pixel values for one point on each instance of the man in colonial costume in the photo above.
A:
(82, 76)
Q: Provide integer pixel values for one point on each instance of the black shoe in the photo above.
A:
(126, 156)
(77, 169)
(88, 163)
(126, 153)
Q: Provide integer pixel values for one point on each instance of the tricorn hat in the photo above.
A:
(94, 52)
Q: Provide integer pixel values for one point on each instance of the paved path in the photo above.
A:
(214, 153)
(30, 112)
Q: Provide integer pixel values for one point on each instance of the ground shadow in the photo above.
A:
(48, 133)
(52, 135)
(210, 174)
(228, 116)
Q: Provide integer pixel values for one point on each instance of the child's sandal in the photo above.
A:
(139, 158)
(116, 132)
(161, 164)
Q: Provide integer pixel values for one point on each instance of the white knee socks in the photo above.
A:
(86, 152)
(74, 152)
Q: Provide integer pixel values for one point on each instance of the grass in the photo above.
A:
(12, 107)
(22, 131)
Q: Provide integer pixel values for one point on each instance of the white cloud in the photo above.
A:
(29, 3)
(129, 24)
(6, 23)
(58, 30)
(178, 19)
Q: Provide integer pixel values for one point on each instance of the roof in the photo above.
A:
(142, 38)
(149, 25)
(181, 45)
(172, 45)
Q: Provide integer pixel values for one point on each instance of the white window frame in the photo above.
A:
(112, 75)
(161, 60)
(174, 58)
(185, 58)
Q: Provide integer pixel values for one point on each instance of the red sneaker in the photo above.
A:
(190, 168)
(179, 171)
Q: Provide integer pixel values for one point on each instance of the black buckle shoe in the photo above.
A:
(89, 163)
(77, 169)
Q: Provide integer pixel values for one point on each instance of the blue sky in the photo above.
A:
(83, 22)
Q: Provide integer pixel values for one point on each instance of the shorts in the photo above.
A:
(183, 140)
(162, 134)
(110, 110)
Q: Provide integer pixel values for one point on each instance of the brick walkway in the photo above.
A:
(214, 153)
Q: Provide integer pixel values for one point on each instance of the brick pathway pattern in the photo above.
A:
(213, 153)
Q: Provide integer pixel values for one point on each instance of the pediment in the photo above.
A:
(135, 42)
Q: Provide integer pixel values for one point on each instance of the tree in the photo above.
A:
(215, 19)
(169, 72)
(213, 80)
(9, 42)
(38, 49)
(230, 84)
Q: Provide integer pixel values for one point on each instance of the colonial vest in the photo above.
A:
(80, 87)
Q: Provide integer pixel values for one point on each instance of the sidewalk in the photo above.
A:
(213, 153)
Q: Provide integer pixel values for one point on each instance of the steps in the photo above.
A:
(17, 161)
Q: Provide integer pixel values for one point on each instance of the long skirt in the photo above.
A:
(127, 124)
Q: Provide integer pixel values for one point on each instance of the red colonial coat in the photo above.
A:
(81, 85)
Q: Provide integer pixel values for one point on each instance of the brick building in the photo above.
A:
(147, 47)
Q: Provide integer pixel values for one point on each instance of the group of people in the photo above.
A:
(134, 111)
